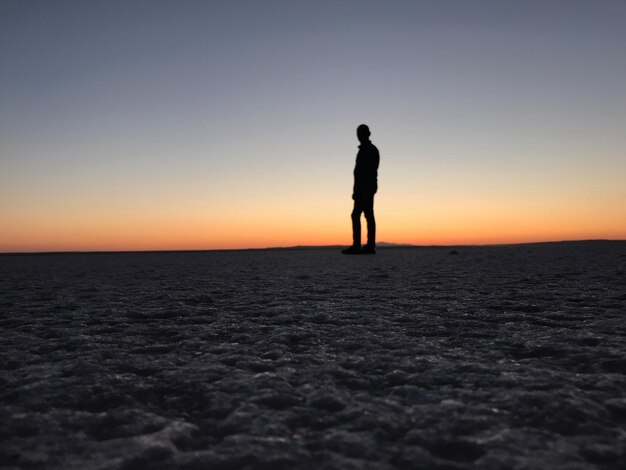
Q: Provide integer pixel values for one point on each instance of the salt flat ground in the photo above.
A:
(495, 357)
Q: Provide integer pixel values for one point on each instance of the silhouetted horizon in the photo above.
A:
(383, 245)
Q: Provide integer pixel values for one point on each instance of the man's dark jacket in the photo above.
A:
(366, 172)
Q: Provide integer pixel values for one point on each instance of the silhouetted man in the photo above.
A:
(365, 186)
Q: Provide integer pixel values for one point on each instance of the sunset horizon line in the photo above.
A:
(380, 245)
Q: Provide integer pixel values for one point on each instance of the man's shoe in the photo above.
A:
(353, 250)
(368, 250)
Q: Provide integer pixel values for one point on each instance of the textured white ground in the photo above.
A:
(497, 357)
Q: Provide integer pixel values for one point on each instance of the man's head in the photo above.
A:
(363, 133)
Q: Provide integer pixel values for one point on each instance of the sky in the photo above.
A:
(164, 125)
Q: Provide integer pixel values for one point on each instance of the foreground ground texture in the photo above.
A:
(495, 357)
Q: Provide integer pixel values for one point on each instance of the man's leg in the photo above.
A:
(356, 223)
(368, 209)
(355, 249)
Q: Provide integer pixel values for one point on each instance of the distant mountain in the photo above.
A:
(389, 244)
(408, 245)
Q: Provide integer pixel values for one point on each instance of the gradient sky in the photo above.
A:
(194, 125)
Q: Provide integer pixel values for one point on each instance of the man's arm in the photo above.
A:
(370, 172)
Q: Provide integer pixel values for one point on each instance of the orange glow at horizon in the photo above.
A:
(202, 231)
(246, 213)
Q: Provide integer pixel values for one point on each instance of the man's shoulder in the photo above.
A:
(371, 148)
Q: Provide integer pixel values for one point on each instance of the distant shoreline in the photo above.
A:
(382, 246)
